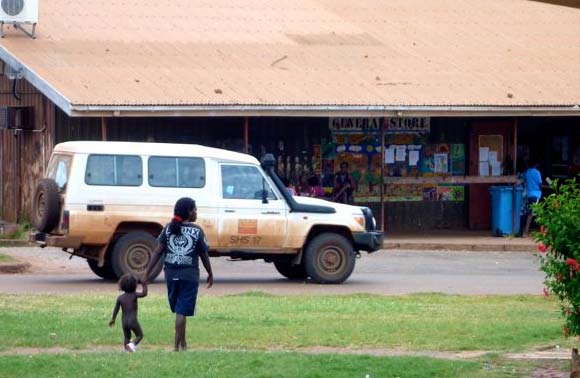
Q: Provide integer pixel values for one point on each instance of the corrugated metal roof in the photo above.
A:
(312, 53)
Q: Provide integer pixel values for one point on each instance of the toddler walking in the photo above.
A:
(128, 304)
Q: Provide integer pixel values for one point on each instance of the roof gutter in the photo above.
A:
(321, 111)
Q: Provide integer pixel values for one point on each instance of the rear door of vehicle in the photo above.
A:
(246, 220)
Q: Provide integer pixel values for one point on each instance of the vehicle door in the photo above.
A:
(251, 214)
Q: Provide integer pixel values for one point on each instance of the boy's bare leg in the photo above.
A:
(179, 330)
(183, 342)
(126, 335)
(138, 334)
(526, 232)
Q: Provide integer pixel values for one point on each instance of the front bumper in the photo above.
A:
(47, 240)
(369, 241)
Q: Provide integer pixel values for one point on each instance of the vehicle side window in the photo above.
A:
(176, 172)
(244, 182)
(114, 170)
(58, 170)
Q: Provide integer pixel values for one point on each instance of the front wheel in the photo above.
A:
(292, 272)
(329, 258)
(132, 253)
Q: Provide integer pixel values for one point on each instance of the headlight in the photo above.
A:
(360, 220)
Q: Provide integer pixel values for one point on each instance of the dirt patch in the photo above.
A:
(14, 267)
(385, 352)
(47, 260)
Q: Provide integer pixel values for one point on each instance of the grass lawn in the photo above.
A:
(157, 364)
(6, 259)
(258, 321)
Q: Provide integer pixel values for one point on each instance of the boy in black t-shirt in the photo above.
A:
(181, 244)
(128, 304)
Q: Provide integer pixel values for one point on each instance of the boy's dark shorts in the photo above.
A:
(182, 295)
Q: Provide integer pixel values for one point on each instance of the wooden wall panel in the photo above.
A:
(24, 153)
(479, 196)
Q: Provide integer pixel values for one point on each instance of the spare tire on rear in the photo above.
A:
(46, 210)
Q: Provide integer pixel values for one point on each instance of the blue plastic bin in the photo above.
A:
(501, 209)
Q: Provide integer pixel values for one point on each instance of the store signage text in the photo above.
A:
(391, 125)
(407, 125)
(355, 124)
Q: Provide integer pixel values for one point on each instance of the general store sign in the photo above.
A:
(391, 125)
(408, 125)
(346, 125)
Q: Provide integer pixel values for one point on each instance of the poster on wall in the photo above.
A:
(440, 163)
(457, 152)
(404, 192)
(490, 155)
(450, 192)
(357, 143)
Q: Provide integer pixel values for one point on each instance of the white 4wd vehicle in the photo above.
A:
(108, 201)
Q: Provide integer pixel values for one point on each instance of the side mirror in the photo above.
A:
(264, 196)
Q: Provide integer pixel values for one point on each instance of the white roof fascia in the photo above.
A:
(33, 78)
(320, 111)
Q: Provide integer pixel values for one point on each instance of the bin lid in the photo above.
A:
(504, 188)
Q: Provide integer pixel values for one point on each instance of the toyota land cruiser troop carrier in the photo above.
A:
(108, 201)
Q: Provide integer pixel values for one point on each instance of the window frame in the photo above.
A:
(276, 195)
(115, 170)
(54, 162)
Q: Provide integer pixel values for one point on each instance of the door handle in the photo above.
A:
(270, 212)
(229, 211)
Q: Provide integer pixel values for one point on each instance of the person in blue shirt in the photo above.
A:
(533, 180)
(182, 244)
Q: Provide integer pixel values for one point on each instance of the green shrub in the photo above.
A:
(559, 248)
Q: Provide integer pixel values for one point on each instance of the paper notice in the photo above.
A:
(484, 154)
(483, 168)
(413, 158)
(440, 163)
(495, 168)
(389, 155)
(492, 156)
(401, 153)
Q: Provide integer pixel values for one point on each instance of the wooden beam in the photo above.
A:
(383, 175)
(246, 134)
(452, 180)
(515, 187)
(104, 136)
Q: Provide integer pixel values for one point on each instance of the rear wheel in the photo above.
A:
(132, 253)
(329, 258)
(292, 272)
(105, 271)
(46, 208)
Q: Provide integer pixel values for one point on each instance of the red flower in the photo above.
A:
(546, 292)
(566, 331)
(573, 264)
(542, 248)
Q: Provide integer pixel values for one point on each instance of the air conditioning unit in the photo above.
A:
(17, 118)
(19, 11)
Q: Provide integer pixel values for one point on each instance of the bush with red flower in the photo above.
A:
(559, 248)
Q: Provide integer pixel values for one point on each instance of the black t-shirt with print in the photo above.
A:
(181, 253)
